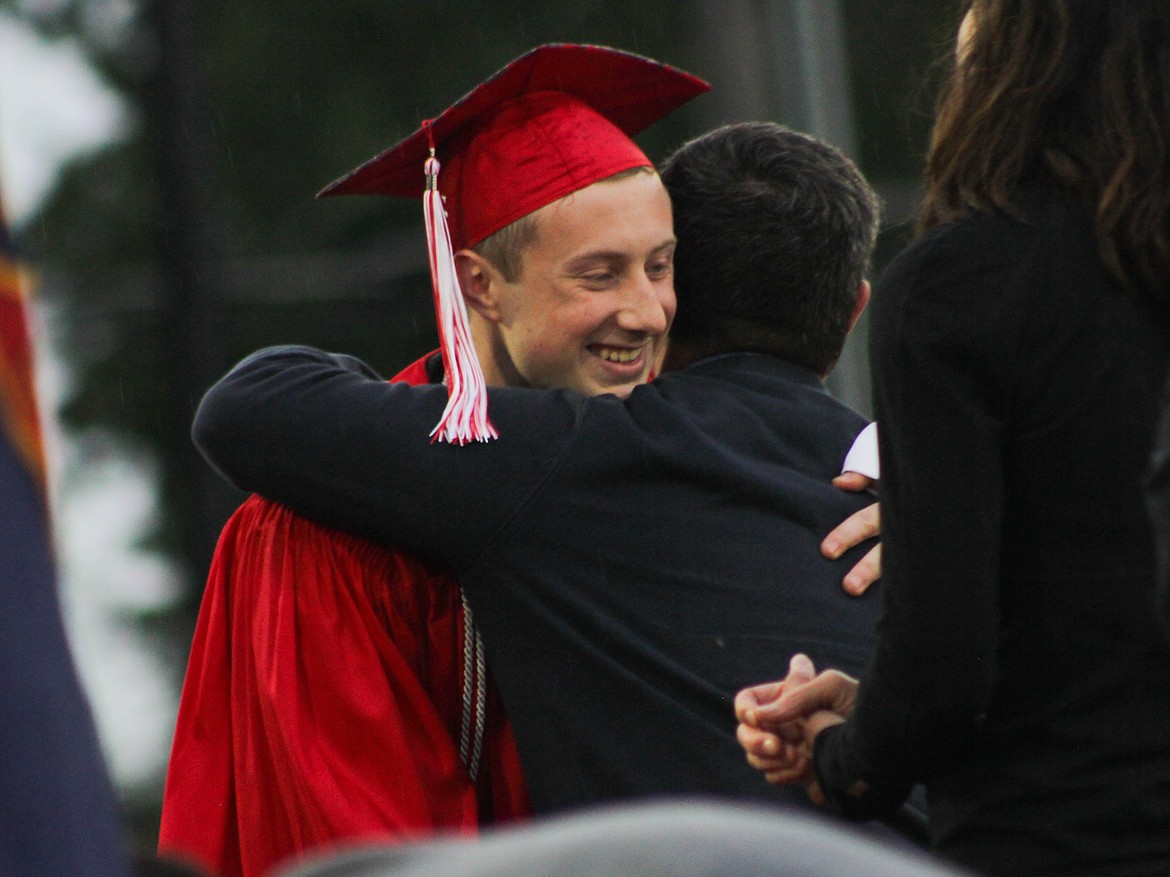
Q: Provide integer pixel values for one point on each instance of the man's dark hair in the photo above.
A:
(775, 230)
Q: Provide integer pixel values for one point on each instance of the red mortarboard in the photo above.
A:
(554, 121)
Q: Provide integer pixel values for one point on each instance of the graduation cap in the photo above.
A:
(557, 119)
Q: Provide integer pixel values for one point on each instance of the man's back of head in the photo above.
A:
(775, 230)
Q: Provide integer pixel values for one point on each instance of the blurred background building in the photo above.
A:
(160, 159)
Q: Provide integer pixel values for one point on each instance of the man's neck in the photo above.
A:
(680, 355)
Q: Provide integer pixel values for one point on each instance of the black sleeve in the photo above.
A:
(942, 498)
(324, 435)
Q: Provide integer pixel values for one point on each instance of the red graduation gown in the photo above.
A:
(334, 693)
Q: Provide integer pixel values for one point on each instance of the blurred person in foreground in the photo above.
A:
(1018, 350)
(644, 839)
(58, 816)
(632, 560)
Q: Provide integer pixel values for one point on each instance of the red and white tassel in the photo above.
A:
(465, 418)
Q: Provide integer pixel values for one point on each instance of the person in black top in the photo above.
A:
(1018, 347)
(631, 562)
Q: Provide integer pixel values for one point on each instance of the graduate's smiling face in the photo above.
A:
(594, 296)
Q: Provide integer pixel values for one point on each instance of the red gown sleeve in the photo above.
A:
(324, 702)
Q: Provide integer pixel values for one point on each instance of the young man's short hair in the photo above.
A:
(775, 230)
(505, 248)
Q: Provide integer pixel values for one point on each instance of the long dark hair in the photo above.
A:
(1077, 91)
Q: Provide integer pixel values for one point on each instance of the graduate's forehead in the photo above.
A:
(623, 217)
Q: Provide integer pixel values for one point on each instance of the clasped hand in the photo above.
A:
(779, 721)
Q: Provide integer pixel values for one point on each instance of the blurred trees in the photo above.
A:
(197, 239)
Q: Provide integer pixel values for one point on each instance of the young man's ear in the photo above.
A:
(863, 293)
(480, 281)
